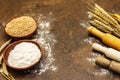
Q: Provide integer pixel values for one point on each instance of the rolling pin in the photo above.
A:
(111, 65)
(106, 38)
(108, 52)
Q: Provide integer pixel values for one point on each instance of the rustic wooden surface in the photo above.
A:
(72, 52)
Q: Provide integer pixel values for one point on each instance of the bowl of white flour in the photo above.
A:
(22, 54)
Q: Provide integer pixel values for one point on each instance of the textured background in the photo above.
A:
(74, 57)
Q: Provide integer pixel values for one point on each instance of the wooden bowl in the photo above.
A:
(11, 47)
(21, 27)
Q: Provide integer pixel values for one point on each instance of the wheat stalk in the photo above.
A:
(101, 26)
(98, 18)
(102, 19)
(107, 17)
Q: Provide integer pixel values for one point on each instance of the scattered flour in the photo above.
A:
(84, 24)
(100, 72)
(94, 55)
(90, 16)
(89, 40)
(47, 41)
(91, 59)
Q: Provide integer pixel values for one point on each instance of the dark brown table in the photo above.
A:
(73, 54)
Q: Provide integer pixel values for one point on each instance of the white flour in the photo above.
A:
(100, 72)
(84, 24)
(89, 40)
(93, 57)
(28, 53)
(47, 41)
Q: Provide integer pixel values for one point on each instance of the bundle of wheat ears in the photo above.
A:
(3, 67)
(103, 20)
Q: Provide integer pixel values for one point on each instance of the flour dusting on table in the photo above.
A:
(84, 24)
(102, 72)
(99, 72)
(45, 38)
